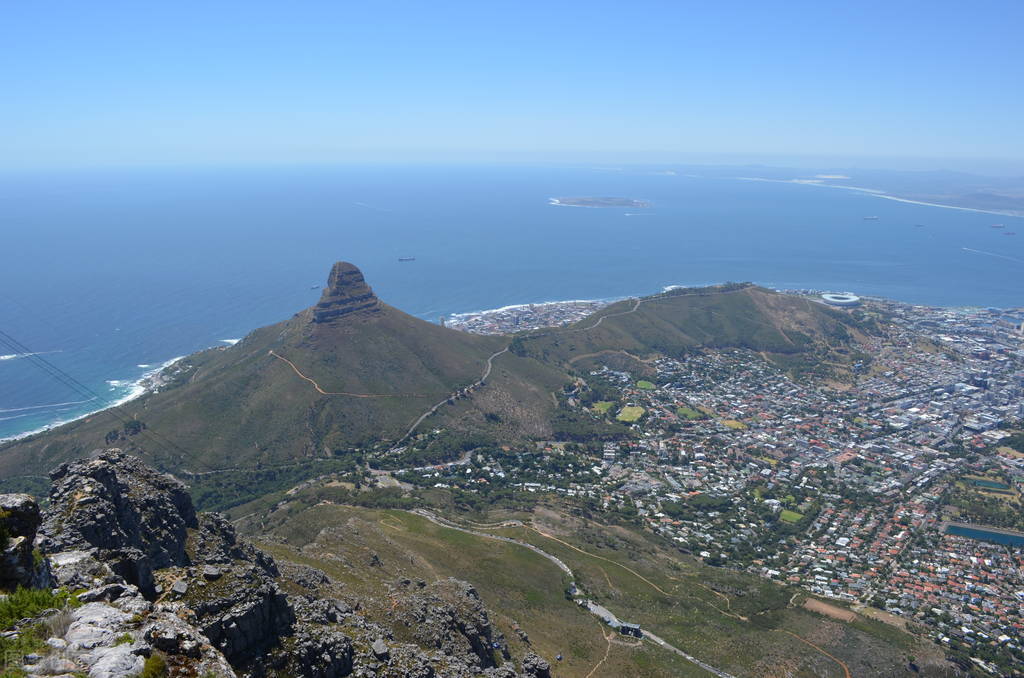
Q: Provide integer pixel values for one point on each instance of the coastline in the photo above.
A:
(148, 382)
(878, 193)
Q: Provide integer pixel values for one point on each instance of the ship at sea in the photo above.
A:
(407, 258)
(997, 225)
(870, 218)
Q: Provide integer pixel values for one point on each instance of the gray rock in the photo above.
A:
(57, 643)
(20, 518)
(79, 570)
(115, 662)
(107, 592)
(136, 517)
(93, 625)
(536, 666)
(21, 515)
(179, 587)
(211, 573)
(380, 649)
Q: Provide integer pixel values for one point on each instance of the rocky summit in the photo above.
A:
(346, 294)
(146, 585)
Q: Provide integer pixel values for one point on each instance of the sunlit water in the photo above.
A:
(113, 273)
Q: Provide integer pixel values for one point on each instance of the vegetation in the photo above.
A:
(630, 414)
(790, 516)
(689, 413)
(732, 620)
(155, 666)
(645, 385)
(24, 603)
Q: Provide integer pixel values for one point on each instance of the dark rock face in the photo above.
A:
(317, 653)
(449, 616)
(19, 520)
(141, 524)
(136, 517)
(346, 294)
(244, 615)
(536, 666)
(221, 606)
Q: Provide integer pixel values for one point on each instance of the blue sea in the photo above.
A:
(110, 273)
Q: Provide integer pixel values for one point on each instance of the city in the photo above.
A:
(845, 490)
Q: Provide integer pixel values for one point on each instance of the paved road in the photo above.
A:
(600, 611)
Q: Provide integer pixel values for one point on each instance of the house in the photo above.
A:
(631, 630)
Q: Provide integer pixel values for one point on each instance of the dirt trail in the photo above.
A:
(345, 393)
(607, 560)
(842, 664)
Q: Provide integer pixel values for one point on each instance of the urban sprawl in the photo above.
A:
(892, 492)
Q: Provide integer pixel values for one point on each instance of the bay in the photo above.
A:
(110, 273)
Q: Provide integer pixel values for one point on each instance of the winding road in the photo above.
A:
(486, 374)
(599, 611)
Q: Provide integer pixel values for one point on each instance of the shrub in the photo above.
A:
(155, 666)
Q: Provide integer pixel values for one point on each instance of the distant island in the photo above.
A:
(600, 202)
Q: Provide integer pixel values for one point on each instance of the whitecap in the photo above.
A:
(230, 342)
(42, 407)
(143, 365)
(14, 356)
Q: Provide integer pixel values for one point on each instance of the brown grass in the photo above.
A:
(821, 607)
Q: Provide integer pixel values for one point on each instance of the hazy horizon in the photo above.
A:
(914, 87)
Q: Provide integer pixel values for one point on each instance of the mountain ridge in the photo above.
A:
(352, 374)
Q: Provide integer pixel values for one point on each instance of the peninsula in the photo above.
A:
(600, 202)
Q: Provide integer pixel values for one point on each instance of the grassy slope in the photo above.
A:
(241, 406)
(749, 317)
(517, 584)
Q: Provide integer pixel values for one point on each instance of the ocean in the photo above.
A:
(111, 273)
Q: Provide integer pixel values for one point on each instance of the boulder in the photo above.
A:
(137, 518)
(19, 521)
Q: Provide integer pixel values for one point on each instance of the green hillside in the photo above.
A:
(792, 330)
(353, 374)
(312, 387)
(734, 621)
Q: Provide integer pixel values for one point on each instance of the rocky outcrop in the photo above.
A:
(138, 519)
(19, 566)
(242, 611)
(346, 294)
(141, 526)
(536, 666)
(448, 615)
(114, 629)
(154, 576)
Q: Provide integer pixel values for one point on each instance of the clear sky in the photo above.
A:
(217, 81)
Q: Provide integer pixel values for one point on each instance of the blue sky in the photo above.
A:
(100, 83)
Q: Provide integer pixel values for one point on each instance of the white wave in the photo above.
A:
(139, 387)
(17, 416)
(230, 342)
(15, 356)
(143, 365)
(513, 307)
(882, 194)
(993, 254)
(51, 405)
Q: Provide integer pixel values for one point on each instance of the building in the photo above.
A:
(844, 299)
